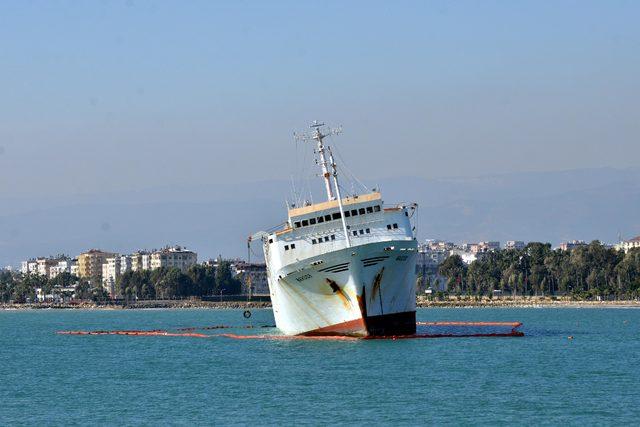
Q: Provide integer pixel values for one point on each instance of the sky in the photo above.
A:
(133, 124)
(105, 96)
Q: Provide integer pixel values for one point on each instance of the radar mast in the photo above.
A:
(318, 136)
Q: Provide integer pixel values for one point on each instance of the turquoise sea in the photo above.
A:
(542, 378)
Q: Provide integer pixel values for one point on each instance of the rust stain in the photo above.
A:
(288, 289)
(375, 289)
(346, 301)
(362, 303)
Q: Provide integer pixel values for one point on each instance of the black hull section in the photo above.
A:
(391, 324)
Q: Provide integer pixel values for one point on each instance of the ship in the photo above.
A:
(344, 266)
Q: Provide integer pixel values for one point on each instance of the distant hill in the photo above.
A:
(546, 206)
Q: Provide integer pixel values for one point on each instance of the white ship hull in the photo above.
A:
(363, 290)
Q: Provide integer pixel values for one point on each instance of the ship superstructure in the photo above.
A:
(343, 266)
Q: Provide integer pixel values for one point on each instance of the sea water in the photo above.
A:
(544, 377)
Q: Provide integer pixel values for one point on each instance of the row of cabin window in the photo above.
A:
(390, 226)
(365, 231)
(286, 247)
(326, 239)
(336, 215)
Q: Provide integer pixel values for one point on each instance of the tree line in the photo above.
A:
(21, 288)
(166, 283)
(585, 272)
(198, 280)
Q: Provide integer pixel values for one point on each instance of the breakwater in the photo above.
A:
(421, 302)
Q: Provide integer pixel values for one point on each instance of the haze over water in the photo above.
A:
(541, 378)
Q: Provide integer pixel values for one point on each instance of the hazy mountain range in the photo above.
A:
(543, 206)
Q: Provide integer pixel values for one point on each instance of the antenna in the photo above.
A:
(317, 135)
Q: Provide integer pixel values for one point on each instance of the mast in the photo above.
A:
(335, 180)
(318, 136)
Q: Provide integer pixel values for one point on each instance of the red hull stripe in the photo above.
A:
(351, 327)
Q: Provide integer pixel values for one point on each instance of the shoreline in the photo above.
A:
(230, 305)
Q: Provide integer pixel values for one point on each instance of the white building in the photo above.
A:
(572, 244)
(111, 273)
(484, 247)
(25, 266)
(63, 266)
(173, 257)
(467, 256)
(627, 245)
(140, 261)
(254, 275)
(515, 244)
(44, 266)
(125, 263)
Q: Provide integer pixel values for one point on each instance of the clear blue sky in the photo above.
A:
(99, 96)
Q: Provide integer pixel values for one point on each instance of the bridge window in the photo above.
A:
(347, 214)
(313, 241)
(336, 215)
(369, 209)
(326, 238)
(305, 222)
(320, 220)
(361, 231)
(333, 237)
(286, 247)
(297, 224)
(293, 246)
(355, 232)
(388, 226)
(361, 211)
(368, 231)
(327, 217)
(354, 212)
(376, 208)
(395, 225)
(312, 221)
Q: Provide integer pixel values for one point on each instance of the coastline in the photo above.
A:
(421, 302)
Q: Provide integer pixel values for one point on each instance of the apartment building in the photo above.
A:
(173, 257)
(110, 273)
(90, 264)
